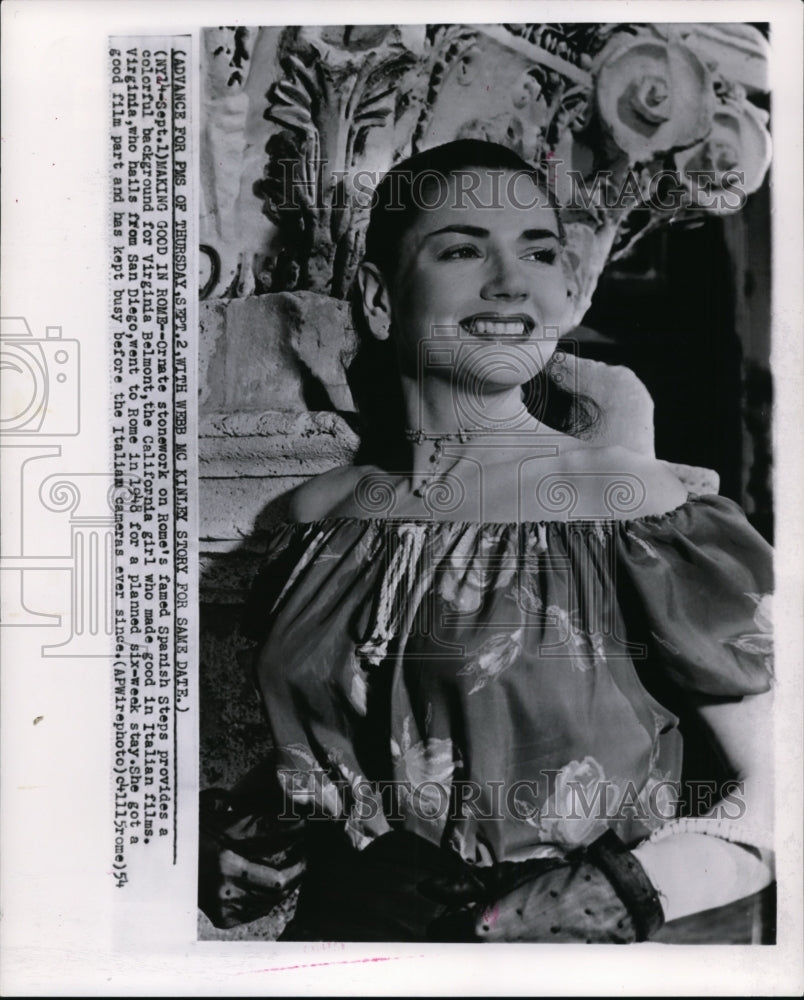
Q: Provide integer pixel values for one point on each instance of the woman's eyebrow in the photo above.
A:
(478, 231)
(458, 228)
(539, 234)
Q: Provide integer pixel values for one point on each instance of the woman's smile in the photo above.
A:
(496, 325)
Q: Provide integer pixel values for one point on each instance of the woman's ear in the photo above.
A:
(375, 298)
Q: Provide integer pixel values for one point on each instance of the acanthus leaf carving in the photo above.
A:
(328, 101)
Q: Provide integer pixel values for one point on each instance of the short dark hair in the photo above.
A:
(373, 375)
(395, 204)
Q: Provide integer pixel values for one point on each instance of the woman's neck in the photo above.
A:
(438, 413)
(435, 408)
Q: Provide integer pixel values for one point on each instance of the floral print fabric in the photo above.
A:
(511, 714)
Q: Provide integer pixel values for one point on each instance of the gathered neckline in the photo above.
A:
(332, 521)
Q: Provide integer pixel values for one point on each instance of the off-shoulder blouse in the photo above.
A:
(486, 685)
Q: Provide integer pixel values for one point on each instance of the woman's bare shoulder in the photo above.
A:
(644, 484)
(613, 480)
(326, 494)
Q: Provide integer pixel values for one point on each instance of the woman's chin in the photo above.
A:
(499, 375)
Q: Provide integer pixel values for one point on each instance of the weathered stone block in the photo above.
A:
(283, 352)
(274, 444)
(695, 479)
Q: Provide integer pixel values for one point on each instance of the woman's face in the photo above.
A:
(478, 288)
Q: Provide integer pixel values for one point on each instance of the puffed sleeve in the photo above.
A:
(287, 549)
(310, 608)
(697, 584)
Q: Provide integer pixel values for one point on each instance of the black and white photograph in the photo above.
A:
(401, 549)
(485, 400)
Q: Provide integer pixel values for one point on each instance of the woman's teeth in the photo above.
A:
(498, 328)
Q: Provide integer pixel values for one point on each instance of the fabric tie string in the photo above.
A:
(397, 585)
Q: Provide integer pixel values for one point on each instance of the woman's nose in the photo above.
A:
(505, 280)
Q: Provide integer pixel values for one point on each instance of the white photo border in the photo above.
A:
(58, 898)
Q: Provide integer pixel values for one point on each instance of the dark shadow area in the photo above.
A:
(692, 322)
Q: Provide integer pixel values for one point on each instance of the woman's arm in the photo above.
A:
(320, 496)
(694, 871)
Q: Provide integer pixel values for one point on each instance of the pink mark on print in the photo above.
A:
(343, 961)
(491, 915)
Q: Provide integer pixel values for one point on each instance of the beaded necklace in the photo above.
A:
(419, 437)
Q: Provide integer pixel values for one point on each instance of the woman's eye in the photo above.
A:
(465, 252)
(542, 255)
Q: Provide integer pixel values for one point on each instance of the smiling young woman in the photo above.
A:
(454, 677)
(469, 298)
